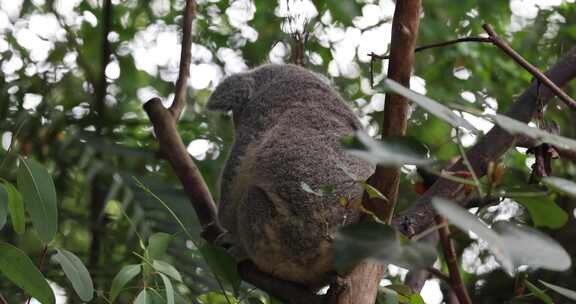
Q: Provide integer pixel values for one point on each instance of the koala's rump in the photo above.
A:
(291, 230)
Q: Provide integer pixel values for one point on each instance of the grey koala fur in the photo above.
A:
(288, 127)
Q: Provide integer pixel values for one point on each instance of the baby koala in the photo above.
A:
(288, 127)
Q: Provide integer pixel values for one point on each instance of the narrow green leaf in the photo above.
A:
(169, 288)
(125, 275)
(19, 269)
(222, 264)
(570, 294)
(157, 245)
(76, 273)
(371, 240)
(544, 211)
(435, 108)
(39, 194)
(213, 297)
(383, 152)
(143, 297)
(561, 185)
(519, 128)
(3, 206)
(539, 293)
(373, 192)
(167, 269)
(15, 208)
(512, 245)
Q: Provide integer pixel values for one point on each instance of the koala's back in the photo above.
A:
(289, 132)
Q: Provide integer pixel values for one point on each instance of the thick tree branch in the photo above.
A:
(490, 148)
(361, 285)
(499, 42)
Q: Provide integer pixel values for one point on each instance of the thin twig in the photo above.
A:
(499, 42)
(451, 259)
(40, 265)
(439, 274)
(185, 60)
(436, 45)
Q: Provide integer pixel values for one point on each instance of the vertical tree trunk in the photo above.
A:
(361, 286)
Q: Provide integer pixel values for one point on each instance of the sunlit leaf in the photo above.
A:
(39, 195)
(125, 275)
(169, 288)
(15, 208)
(20, 270)
(569, 293)
(76, 273)
(157, 244)
(384, 153)
(375, 241)
(435, 108)
(561, 185)
(216, 298)
(519, 128)
(167, 269)
(222, 264)
(512, 245)
(544, 211)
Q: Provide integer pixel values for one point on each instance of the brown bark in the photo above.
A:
(361, 285)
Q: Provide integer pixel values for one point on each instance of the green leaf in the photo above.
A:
(373, 192)
(561, 185)
(570, 294)
(544, 211)
(216, 298)
(125, 275)
(516, 127)
(15, 208)
(169, 288)
(435, 108)
(76, 273)
(539, 293)
(19, 269)
(222, 264)
(385, 153)
(387, 296)
(512, 245)
(39, 194)
(143, 297)
(167, 269)
(371, 240)
(3, 206)
(157, 245)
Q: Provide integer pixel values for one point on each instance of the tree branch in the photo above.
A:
(185, 60)
(455, 280)
(437, 45)
(499, 42)
(362, 283)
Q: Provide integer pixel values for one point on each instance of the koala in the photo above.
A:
(288, 129)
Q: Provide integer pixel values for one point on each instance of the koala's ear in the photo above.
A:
(232, 93)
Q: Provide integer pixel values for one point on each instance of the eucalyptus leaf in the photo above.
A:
(512, 245)
(125, 275)
(3, 206)
(15, 208)
(20, 270)
(169, 288)
(222, 264)
(158, 244)
(76, 273)
(384, 153)
(539, 293)
(544, 211)
(561, 185)
(374, 241)
(569, 293)
(435, 108)
(167, 269)
(39, 194)
(516, 127)
(143, 297)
